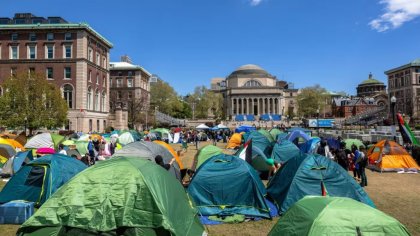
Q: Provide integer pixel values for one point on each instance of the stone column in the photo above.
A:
(263, 106)
(278, 106)
(242, 106)
(231, 108)
(252, 106)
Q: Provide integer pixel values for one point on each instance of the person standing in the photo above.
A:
(342, 156)
(362, 161)
(355, 156)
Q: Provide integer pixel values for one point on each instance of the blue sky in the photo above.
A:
(187, 42)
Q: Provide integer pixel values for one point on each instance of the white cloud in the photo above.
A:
(397, 12)
(255, 2)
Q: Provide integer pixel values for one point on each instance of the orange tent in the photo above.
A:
(13, 143)
(235, 140)
(388, 155)
(172, 151)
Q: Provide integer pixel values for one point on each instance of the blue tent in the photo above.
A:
(284, 150)
(38, 180)
(310, 174)
(245, 128)
(310, 146)
(292, 136)
(226, 185)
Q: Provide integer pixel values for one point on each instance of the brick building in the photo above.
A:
(71, 55)
(129, 89)
(352, 106)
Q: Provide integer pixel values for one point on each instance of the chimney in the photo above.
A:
(126, 58)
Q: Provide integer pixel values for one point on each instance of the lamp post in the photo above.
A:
(26, 120)
(393, 102)
(317, 122)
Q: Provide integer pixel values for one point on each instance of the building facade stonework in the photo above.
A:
(404, 84)
(250, 93)
(72, 56)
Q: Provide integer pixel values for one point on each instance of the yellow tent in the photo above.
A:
(390, 156)
(3, 160)
(12, 143)
(235, 141)
(172, 151)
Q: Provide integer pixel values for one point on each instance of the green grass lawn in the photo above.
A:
(395, 194)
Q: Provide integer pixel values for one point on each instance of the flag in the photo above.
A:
(324, 191)
(246, 153)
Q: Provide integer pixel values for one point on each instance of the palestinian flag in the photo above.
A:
(246, 153)
(324, 191)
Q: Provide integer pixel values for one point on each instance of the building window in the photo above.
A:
(68, 95)
(97, 78)
(90, 56)
(98, 62)
(67, 36)
(119, 95)
(104, 63)
(50, 52)
(90, 125)
(14, 52)
(13, 72)
(130, 95)
(97, 101)
(31, 71)
(50, 36)
(130, 73)
(97, 125)
(104, 82)
(110, 82)
(31, 52)
(252, 83)
(89, 99)
(67, 72)
(14, 37)
(119, 82)
(67, 51)
(129, 82)
(32, 37)
(90, 76)
(103, 102)
(49, 73)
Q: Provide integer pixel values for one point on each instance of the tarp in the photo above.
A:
(227, 185)
(149, 150)
(205, 153)
(245, 128)
(284, 150)
(315, 216)
(44, 140)
(120, 196)
(311, 174)
(39, 179)
(388, 155)
(235, 141)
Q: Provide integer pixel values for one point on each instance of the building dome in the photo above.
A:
(370, 81)
(248, 70)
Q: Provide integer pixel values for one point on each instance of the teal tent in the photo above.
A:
(284, 150)
(227, 185)
(119, 196)
(261, 150)
(311, 174)
(204, 153)
(38, 180)
(315, 216)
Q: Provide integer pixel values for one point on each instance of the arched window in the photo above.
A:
(103, 102)
(68, 95)
(97, 100)
(252, 83)
(89, 99)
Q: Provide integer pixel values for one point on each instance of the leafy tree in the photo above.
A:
(310, 100)
(206, 103)
(165, 98)
(135, 108)
(32, 97)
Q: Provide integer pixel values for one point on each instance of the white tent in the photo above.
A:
(202, 126)
(220, 126)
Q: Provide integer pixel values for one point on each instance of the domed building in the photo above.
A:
(251, 93)
(370, 87)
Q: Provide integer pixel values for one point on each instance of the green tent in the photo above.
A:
(40, 178)
(311, 174)
(120, 196)
(275, 132)
(335, 216)
(284, 150)
(205, 153)
(261, 150)
(242, 194)
(349, 142)
(266, 134)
